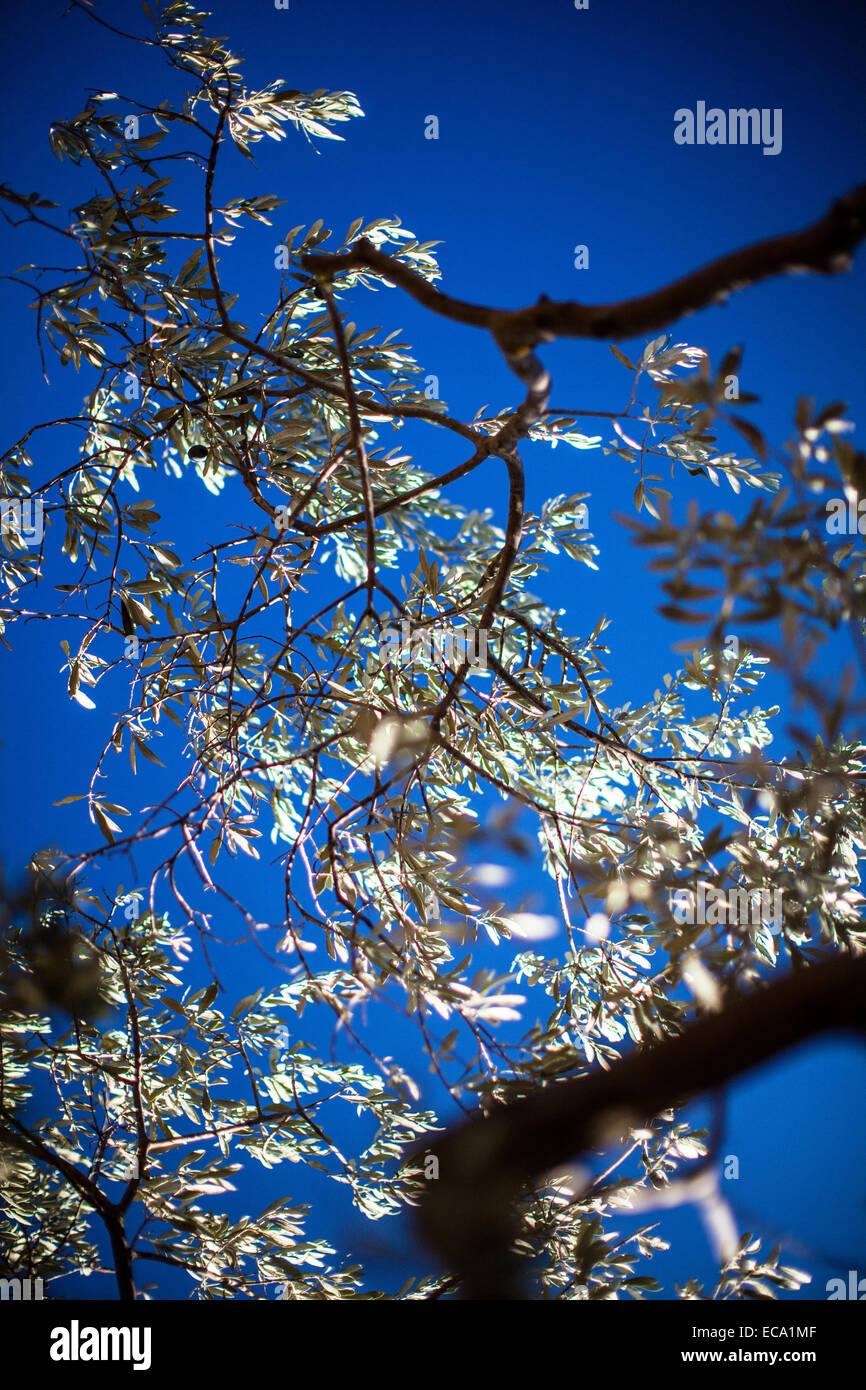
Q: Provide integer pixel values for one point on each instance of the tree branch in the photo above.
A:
(467, 1216)
(826, 247)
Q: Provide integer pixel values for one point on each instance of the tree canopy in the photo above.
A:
(363, 693)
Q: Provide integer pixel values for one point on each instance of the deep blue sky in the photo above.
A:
(556, 128)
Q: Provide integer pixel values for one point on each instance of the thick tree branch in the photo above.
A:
(357, 431)
(826, 247)
(13, 1133)
(537, 378)
(468, 1214)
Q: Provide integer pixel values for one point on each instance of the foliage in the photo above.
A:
(257, 706)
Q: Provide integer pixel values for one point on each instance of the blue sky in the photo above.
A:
(555, 129)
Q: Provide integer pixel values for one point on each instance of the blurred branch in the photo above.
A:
(467, 1215)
